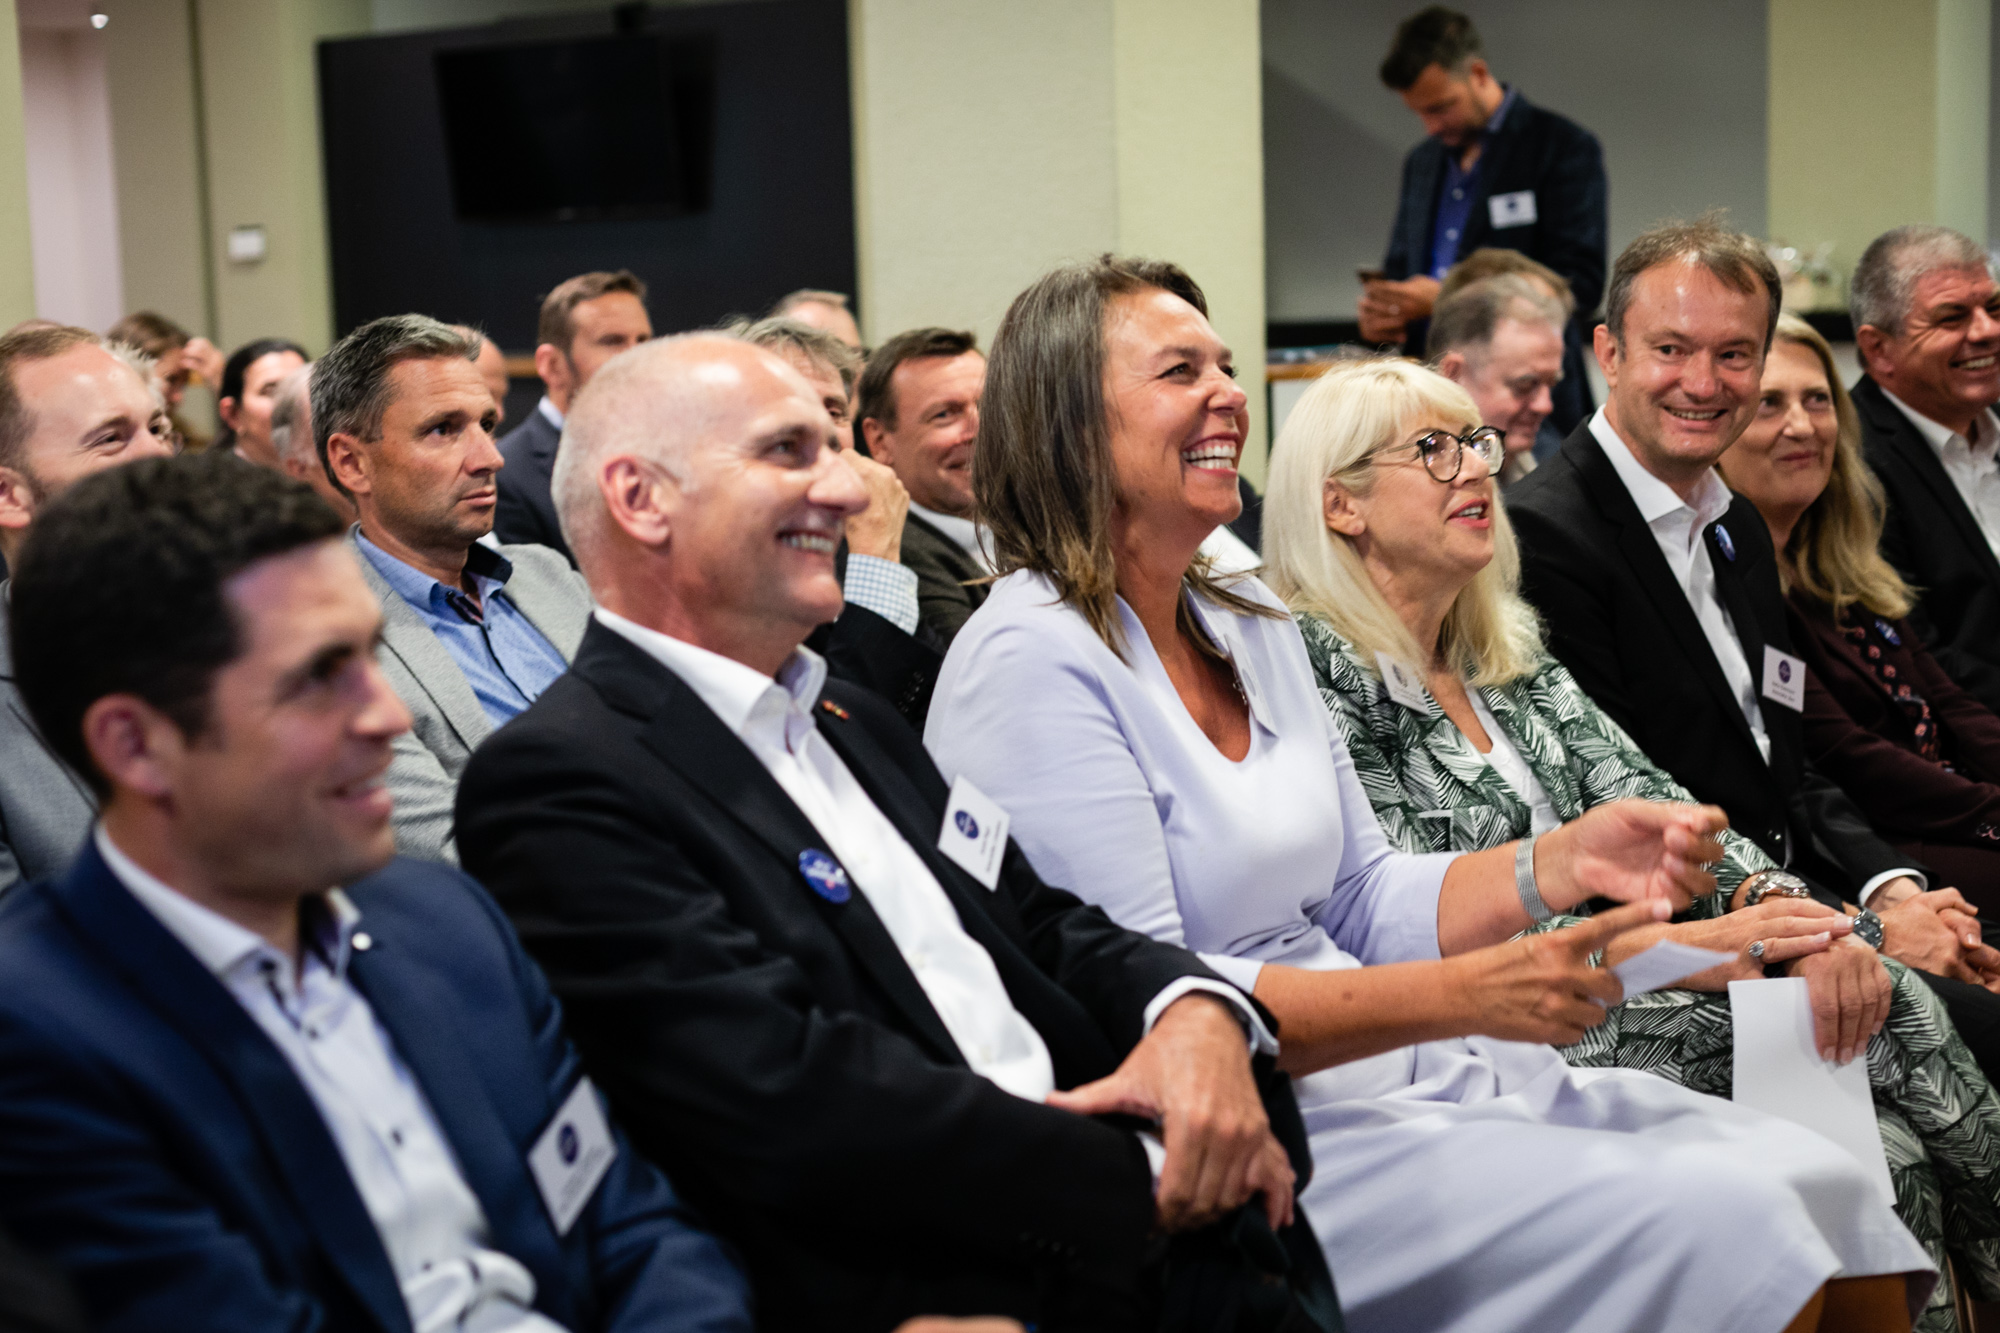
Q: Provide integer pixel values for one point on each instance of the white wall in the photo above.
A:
(1676, 93)
(72, 189)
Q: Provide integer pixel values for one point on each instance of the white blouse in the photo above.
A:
(1505, 760)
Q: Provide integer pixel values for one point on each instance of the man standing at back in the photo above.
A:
(1927, 324)
(585, 322)
(1660, 593)
(919, 414)
(470, 635)
(1495, 171)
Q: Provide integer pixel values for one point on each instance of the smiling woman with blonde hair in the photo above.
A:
(1384, 534)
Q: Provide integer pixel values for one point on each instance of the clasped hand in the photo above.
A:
(1191, 1073)
(1631, 850)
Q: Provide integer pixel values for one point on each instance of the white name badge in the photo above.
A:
(975, 833)
(1512, 210)
(571, 1156)
(1784, 679)
(1402, 683)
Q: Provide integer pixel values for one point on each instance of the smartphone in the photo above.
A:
(1372, 274)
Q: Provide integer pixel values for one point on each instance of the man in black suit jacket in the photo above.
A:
(1660, 594)
(858, 1075)
(1495, 171)
(1927, 324)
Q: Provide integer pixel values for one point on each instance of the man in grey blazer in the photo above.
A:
(472, 632)
(68, 407)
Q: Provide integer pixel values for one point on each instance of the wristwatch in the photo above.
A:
(1867, 928)
(1774, 884)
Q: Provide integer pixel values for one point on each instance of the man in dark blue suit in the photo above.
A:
(254, 1073)
(1496, 171)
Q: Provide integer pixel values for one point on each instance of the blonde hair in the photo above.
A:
(1835, 553)
(1490, 635)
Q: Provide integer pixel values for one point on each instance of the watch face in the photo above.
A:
(1868, 927)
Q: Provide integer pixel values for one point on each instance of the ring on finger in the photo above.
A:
(1756, 951)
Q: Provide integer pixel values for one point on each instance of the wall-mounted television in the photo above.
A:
(586, 128)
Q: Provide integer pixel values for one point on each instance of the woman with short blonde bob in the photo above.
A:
(1153, 733)
(1384, 535)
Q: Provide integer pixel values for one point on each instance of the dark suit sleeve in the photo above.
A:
(864, 649)
(717, 1051)
(92, 1186)
(1558, 575)
(1841, 829)
(1399, 262)
(1578, 228)
(654, 1267)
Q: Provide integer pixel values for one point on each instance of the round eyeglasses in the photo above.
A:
(1444, 453)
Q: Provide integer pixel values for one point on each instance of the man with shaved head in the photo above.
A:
(70, 406)
(842, 1031)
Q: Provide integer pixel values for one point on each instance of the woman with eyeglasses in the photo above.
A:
(1152, 731)
(1384, 535)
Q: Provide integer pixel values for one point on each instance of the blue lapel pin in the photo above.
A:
(825, 876)
(1722, 540)
(1895, 641)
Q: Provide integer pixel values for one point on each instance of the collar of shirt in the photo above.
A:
(489, 570)
(744, 698)
(550, 412)
(1656, 499)
(1499, 116)
(1986, 426)
(971, 537)
(219, 944)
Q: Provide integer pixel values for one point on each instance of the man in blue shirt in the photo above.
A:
(1496, 171)
(471, 633)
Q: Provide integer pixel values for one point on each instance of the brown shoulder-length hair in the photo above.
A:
(1042, 478)
(1835, 552)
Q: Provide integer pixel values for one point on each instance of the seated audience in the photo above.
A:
(1654, 584)
(876, 640)
(471, 635)
(919, 413)
(878, 1069)
(258, 1074)
(69, 407)
(292, 439)
(1386, 539)
(585, 322)
(179, 359)
(1927, 326)
(244, 398)
(825, 311)
(1917, 752)
(1156, 740)
(1501, 338)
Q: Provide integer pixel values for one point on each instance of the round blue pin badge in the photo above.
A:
(1722, 540)
(824, 875)
(967, 824)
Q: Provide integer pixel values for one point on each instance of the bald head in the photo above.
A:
(699, 486)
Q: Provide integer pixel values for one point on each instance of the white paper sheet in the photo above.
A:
(1664, 964)
(1778, 1071)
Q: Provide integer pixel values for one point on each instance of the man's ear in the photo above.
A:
(553, 367)
(1452, 366)
(1477, 71)
(134, 744)
(638, 498)
(17, 500)
(1873, 345)
(1605, 348)
(348, 461)
(876, 436)
(1338, 509)
(230, 411)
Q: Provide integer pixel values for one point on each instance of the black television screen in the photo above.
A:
(601, 127)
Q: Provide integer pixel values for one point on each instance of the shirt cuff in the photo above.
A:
(887, 588)
(1868, 889)
(1262, 1042)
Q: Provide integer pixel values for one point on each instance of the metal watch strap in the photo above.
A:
(1868, 928)
(1775, 883)
(1524, 880)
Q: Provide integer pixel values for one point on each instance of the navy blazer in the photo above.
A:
(1562, 164)
(525, 510)
(157, 1144)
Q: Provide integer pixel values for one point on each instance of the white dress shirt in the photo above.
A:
(1677, 526)
(1971, 464)
(1505, 760)
(550, 412)
(430, 1222)
(774, 718)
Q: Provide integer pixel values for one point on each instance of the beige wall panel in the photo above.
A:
(1964, 98)
(17, 255)
(149, 58)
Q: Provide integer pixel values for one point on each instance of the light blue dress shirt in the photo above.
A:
(1454, 210)
(504, 657)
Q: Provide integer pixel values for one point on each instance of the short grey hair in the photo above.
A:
(291, 408)
(1466, 320)
(779, 334)
(1885, 281)
(350, 390)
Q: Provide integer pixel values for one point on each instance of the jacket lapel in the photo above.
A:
(429, 663)
(1426, 181)
(1642, 552)
(269, 1094)
(1539, 747)
(1492, 161)
(560, 609)
(1908, 444)
(686, 735)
